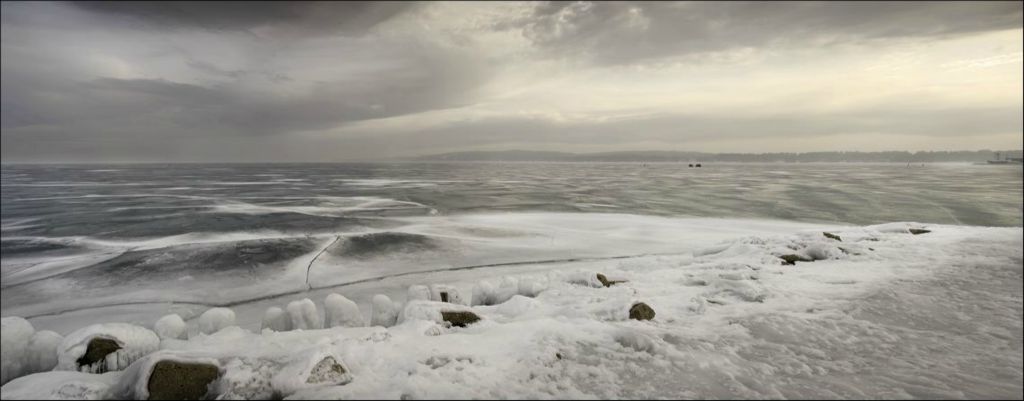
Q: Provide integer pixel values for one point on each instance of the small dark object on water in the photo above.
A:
(640, 311)
(171, 380)
(97, 351)
(791, 259)
(606, 282)
(833, 236)
(459, 318)
(690, 165)
(917, 231)
(696, 165)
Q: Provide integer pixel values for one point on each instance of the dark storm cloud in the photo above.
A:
(623, 32)
(296, 17)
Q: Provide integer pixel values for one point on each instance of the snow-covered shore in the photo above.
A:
(881, 313)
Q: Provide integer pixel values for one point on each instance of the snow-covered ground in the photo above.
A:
(880, 314)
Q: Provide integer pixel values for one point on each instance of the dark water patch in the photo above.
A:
(16, 247)
(258, 258)
(378, 244)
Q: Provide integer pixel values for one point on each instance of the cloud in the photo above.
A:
(626, 32)
(290, 18)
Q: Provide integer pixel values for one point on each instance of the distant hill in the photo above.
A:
(674, 156)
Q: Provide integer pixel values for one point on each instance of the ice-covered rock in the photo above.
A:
(41, 354)
(169, 375)
(446, 293)
(483, 293)
(215, 319)
(418, 292)
(171, 327)
(532, 286)
(15, 334)
(507, 288)
(104, 347)
(384, 313)
(276, 319)
(438, 312)
(304, 315)
(61, 385)
(315, 367)
(641, 311)
(341, 311)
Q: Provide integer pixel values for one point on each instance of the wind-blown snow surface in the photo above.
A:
(882, 314)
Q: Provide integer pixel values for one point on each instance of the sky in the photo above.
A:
(351, 81)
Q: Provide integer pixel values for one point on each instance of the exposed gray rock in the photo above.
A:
(172, 380)
(833, 236)
(459, 318)
(641, 311)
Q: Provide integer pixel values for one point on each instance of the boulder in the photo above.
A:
(832, 236)
(97, 351)
(606, 282)
(640, 311)
(105, 347)
(174, 380)
(791, 259)
(460, 318)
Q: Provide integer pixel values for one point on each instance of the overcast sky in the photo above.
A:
(362, 81)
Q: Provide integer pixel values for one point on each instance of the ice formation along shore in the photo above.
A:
(860, 312)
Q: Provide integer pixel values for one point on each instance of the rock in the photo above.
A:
(172, 380)
(97, 351)
(833, 236)
(313, 367)
(105, 347)
(606, 282)
(917, 231)
(459, 318)
(327, 370)
(640, 311)
(791, 259)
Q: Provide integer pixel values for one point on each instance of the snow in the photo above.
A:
(304, 315)
(171, 327)
(418, 292)
(41, 354)
(341, 311)
(216, 319)
(61, 385)
(446, 293)
(880, 314)
(276, 319)
(15, 334)
(134, 342)
(384, 312)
